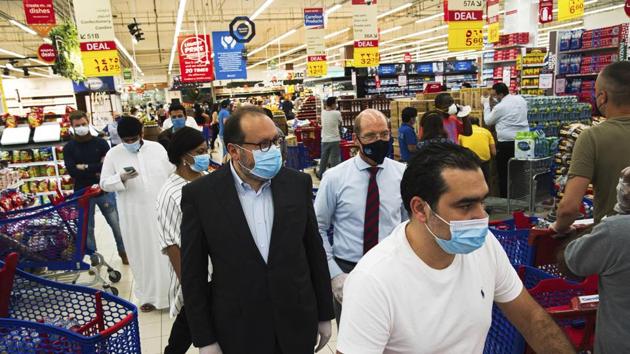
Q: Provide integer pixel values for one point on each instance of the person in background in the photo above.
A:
(430, 286)
(454, 126)
(605, 251)
(161, 114)
(224, 114)
(177, 120)
(600, 151)
(481, 142)
(407, 138)
(83, 157)
(432, 124)
(188, 120)
(331, 137)
(360, 199)
(189, 153)
(466, 85)
(214, 125)
(287, 107)
(203, 121)
(136, 170)
(112, 130)
(270, 289)
(134, 112)
(508, 113)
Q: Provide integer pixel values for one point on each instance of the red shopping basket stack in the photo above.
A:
(42, 316)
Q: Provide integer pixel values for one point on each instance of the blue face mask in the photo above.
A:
(267, 164)
(466, 235)
(134, 147)
(202, 162)
(178, 122)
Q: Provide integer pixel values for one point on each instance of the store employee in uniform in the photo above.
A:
(361, 199)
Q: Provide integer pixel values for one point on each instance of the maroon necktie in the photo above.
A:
(372, 203)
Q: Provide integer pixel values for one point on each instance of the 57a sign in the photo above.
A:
(465, 10)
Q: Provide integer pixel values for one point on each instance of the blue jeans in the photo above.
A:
(107, 204)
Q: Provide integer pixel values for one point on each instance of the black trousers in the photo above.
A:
(505, 151)
(347, 267)
(179, 341)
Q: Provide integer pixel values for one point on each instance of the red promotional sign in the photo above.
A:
(40, 14)
(407, 57)
(492, 11)
(545, 11)
(627, 8)
(195, 62)
(46, 52)
(465, 10)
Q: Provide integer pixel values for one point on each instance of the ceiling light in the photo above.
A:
(561, 26)
(430, 30)
(414, 43)
(22, 27)
(7, 76)
(283, 36)
(10, 66)
(260, 10)
(293, 50)
(124, 51)
(38, 61)
(38, 74)
(421, 47)
(391, 30)
(339, 46)
(8, 52)
(178, 27)
(334, 34)
(397, 9)
(609, 8)
(333, 9)
(432, 17)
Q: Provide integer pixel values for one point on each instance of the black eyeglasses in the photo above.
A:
(265, 145)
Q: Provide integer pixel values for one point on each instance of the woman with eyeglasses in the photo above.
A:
(189, 153)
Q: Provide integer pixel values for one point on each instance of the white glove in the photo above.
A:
(211, 349)
(324, 329)
(337, 286)
(125, 176)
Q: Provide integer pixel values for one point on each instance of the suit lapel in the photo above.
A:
(234, 210)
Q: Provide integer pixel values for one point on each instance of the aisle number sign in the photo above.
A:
(365, 27)
(570, 9)
(467, 35)
(96, 38)
(465, 10)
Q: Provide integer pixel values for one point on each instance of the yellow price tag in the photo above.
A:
(465, 35)
(366, 57)
(101, 63)
(316, 68)
(519, 63)
(570, 9)
(493, 32)
(348, 63)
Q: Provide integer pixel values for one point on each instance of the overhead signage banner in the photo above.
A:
(365, 28)
(465, 10)
(492, 18)
(316, 65)
(40, 15)
(545, 11)
(314, 17)
(229, 62)
(195, 62)
(570, 9)
(96, 37)
(465, 35)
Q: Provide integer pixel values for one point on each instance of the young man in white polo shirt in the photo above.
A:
(430, 286)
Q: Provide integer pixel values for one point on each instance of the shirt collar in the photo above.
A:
(362, 165)
(243, 186)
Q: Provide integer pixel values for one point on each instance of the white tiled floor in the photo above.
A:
(155, 326)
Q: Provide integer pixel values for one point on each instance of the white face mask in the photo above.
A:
(82, 130)
(452, 109)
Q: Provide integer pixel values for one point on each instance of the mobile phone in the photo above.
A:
(130, 169)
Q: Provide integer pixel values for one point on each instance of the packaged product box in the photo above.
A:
(524, 146)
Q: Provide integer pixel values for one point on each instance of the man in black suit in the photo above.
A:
(270, 290)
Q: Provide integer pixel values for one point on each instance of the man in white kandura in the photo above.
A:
(136, 171)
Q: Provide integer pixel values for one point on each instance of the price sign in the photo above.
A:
(465, 35)
(465, 10)
(101, 63)
(570, 9)
(316, 68)
(545, 11)
(366, 54)
(545, 81)
(507, 75)
(493, 32)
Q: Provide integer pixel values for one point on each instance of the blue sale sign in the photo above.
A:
(314, 17)
(229, 62)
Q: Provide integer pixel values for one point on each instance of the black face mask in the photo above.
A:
(376, 151)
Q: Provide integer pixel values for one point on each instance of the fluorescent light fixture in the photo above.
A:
(293, 50)
(414, 43)
(178, 27)
(38, 74)
(340, 46)
(39, 62)
(261, 9)
(8, 77)
(394, 10)
(278, 39)
(574, 23)
(22, 27)
(47, 40)
(333, 9)
(335, 34)
(8, 52)
(430, 30)
(421, 47)
(609, 8)
(432, 17)
(124, 51)
(389, 30)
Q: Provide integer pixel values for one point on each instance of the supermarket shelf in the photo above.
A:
(588, 50)
(530, 76)
(53, 193)
(16, 185)
(509, 46)
(539, 65)
(30, 164)
(501, 78)
(529, 87)
(500, 62)
(32, 179)
(581, 75)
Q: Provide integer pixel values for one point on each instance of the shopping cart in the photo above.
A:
(42, 316)
(554, 295)
(53, 237)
